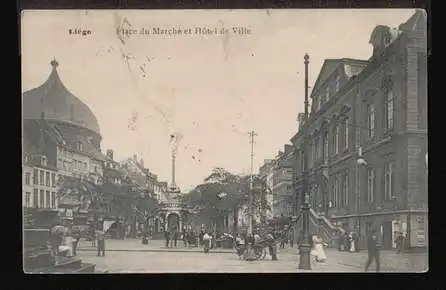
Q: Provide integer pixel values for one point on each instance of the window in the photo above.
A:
(53, 200)
(48, 199)
(28, 178)
(44, 161)
(336, 139)
(326, 145)
(388, 181)
(59, 164)
(389, 110)
(335, 192)
(42, 199)
(47, 179)
(35, 176)
(371, 120)
(28, 199)
(316, 150)
(80, 146)
(370, 185)
(345, 194)
(65, 165)
(327, 94)
(346, 144)
(338, 83)
(42, 177)
(53, 179)
(35, 198)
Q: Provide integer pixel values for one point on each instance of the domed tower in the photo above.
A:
(53, 102)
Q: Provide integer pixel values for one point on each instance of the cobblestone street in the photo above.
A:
(130, 256)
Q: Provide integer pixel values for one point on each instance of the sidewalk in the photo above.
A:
(135, 245)
(390, 260)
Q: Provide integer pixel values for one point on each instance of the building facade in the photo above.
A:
(61, 138)
(375, 111)
(282, 190)
(39, 183)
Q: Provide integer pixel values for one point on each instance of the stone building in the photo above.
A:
(63, 132)
(375, 111)
(282, 190)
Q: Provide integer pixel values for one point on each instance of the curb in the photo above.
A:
(155, 251)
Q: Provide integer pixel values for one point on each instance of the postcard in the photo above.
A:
(210, 141)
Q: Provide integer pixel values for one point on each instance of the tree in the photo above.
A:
(223, 192)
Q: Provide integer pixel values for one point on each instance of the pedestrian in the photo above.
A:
(206, 242)
(76, 237)
(399, 242)
(272, 246)
(184, 236)
(373, 249)
(175, 237)
(100, 236)
(318, 251)
(346, 241)
(167, 237)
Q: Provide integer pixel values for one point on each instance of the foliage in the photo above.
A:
(125, 199)
(209, 200)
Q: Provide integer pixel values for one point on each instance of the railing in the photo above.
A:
(328, 228)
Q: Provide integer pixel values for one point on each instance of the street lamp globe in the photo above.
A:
(361, 161)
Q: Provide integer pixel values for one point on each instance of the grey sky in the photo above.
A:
(212, 89)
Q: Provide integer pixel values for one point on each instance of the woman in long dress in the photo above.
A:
(318, 251)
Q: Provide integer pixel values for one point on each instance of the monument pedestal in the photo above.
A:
(36, 253)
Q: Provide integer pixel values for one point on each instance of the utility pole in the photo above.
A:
(304, 245)
(252, 135)
(250, 255)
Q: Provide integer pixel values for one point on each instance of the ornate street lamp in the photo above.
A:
(304, 246)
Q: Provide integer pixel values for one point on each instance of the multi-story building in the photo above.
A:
(374, 111)
(64, 132)
(282, 190)
(266, 176)
(39, 182)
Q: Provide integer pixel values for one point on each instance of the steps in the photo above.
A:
(329, 232)
(66, 265)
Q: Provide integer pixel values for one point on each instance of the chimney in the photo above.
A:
(141, 162)
(110, 154)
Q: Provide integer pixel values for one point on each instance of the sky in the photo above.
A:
(211, 89)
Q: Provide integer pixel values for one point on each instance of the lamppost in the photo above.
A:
(304, 246)
(360, 161)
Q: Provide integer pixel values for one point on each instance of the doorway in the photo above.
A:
(387, 235)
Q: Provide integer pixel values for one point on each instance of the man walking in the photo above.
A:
(100, 236)
(175, 237)
(167, 237)
(373, 250)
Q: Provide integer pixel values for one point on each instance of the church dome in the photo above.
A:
(54, 102)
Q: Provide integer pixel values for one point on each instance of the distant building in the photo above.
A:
(377, 108)
(39, 182)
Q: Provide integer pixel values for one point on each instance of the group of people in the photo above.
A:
(189, 237)
(242, 240)
(348, 242)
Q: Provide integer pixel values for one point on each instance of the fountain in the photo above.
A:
(37, 258)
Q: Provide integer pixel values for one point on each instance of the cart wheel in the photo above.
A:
(259, 254)
(263, 253)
